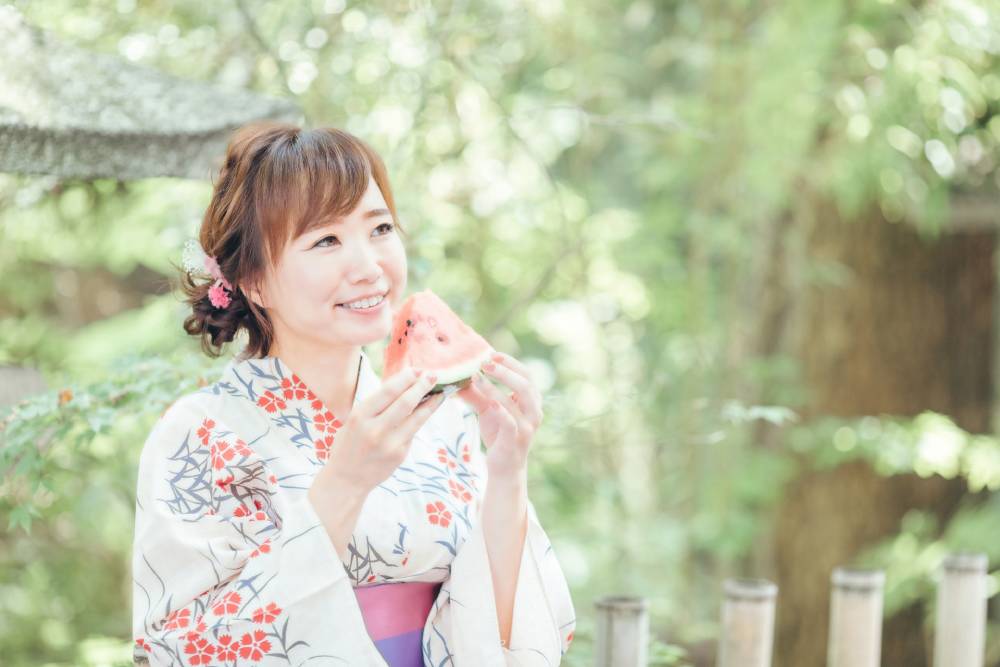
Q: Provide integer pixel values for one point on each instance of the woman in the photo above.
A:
(299, 510)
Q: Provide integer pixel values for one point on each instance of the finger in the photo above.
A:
(525, 397)
(390, 390)
(493, 393)
(406, 402)
(419, 416)
(511, 363)
(474, 397)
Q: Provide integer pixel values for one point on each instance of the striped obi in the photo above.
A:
(394, 616)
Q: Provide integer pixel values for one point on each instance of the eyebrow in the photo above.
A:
(373, 213)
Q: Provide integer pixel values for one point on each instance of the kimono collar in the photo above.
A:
(368, 380)
(274, 374)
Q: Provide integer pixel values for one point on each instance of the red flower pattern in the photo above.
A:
(267, 614)
(227, 649)
(270, 402)
(199, 629)
(437, 514)
(206, 430)
(230, 604)
(323, 448)
(222, 453)
(326, 423)
(254, 647)
(179, 618)
(201, 652)
(242, 449)
(293, 388)
(224, 482)
(264, 548)
(443, 457)
(459, 491)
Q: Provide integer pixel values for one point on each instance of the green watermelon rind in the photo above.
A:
(458, 385)
(459, 376)
(459, 373)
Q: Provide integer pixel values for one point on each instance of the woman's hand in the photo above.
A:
(369, 447)
(377, 434)
(507, 422)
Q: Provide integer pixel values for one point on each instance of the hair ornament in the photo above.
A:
(197, 263)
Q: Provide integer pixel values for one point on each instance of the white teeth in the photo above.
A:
(364, 303)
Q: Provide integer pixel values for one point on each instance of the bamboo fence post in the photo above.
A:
(747, 623)
(960, 628)
(622, 632)
(855, 618)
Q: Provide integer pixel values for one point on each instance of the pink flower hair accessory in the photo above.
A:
(196, 262)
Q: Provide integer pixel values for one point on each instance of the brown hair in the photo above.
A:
(278, 181)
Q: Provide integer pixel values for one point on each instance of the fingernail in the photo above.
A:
(432, 378)
(489, 367)
(418, 371)
(497, 357)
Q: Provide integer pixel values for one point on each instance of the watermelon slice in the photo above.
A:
(427, 334)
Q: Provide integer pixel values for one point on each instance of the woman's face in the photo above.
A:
(325, 268)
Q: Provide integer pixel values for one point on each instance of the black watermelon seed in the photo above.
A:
(400, 341)
(409, 323)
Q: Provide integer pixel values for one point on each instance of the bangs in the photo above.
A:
(312, 179)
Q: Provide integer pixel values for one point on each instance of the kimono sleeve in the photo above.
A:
(463, 623)
(220, 576)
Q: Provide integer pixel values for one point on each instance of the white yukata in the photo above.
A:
(232, 566)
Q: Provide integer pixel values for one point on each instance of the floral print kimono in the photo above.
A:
(232, 566)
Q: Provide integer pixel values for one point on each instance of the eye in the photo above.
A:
(389, 225)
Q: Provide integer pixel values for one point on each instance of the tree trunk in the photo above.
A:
(910, 329)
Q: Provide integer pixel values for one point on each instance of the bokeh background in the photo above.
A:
(747, 248)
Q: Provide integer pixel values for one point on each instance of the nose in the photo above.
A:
(365, 267)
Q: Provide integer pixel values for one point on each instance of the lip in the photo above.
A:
(367, 296)
(370, 312)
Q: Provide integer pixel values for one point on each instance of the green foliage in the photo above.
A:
(80, 425)
(69, 458)
(928, 444)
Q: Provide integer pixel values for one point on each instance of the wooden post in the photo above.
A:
(855, 618)
(960, 629)
(747, 623)
(622, 638)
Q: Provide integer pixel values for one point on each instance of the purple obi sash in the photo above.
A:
(394, 615)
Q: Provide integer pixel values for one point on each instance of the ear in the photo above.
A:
(254, 295)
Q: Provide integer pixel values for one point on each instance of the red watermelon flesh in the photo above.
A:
(427, 334)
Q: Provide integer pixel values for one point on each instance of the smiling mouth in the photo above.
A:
(377, 303)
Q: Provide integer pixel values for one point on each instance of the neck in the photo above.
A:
(330, 375)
